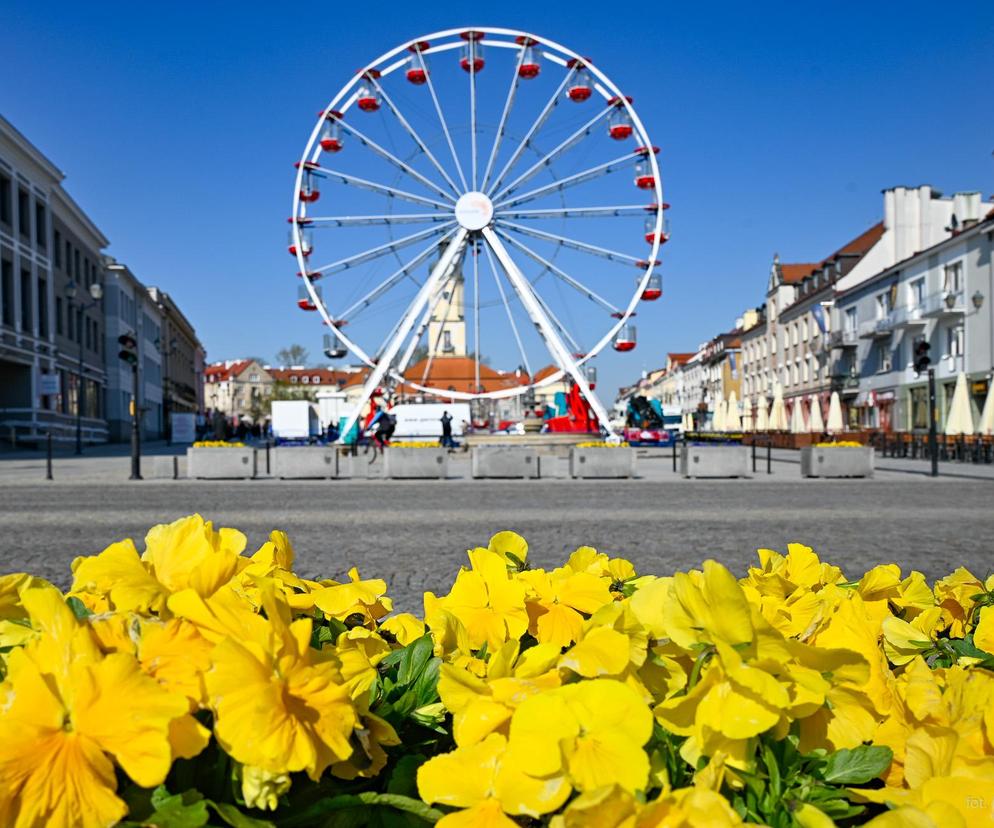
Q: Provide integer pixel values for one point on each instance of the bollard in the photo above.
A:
(769, 457)
(267, 457)
(754, 455)
(674, 454)
(175, 467)
(48, 457)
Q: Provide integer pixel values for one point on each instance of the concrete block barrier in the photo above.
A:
(504, 461)
(303, 462)
(221, 463)
(848, 461)
(714, 461)
(601, 462)
(415, 463)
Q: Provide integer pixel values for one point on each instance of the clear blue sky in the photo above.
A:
(779, 123)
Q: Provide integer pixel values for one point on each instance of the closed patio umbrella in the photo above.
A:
(762, 416)
(816, 425)
(747, 424)
(797, 417)
(718, 421)
(732, 421)
(835, 424)
(959, 420)
(986, 424)
(778, 411)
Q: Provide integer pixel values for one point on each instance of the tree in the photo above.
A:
(294, 355)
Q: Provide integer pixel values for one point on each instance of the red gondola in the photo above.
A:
(334, 348)
(417, 72)
(309, 191)
(590, 375)
(368, 96)
(304, 301)
(530, 66)
(650, 230)
(619, 122)
(471, 59)
(624, 339)
(331, 132)
(654, 288)
(644, 177)
(581, 87)
(306, 243)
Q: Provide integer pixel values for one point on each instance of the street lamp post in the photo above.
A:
(96, 293)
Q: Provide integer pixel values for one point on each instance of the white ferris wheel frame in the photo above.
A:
(458, 236)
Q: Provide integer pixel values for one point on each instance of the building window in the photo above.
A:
(316, 380)
(804, 329)
(41, 225)
(293, 378)
(57, 249)
(850, 323)
(26, 321)
(883, 305)
(6, 194)
(916, 293)
(23, 213)
(253, 377)
(7, 291)
(804, 371)
(447, 342)
(58, 315)
(305, 379)
(75, 264)
(42, 308)
(919, 407)
(954, 342)
(953, 282)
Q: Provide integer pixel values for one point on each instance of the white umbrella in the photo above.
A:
(986, 424)
(732, 421)
(718, 420)
(762, 416)
(778, 412)
(816, 425)
(747, 416)
(959, 420)
(688, 422)
(797, 417)
(835, 424)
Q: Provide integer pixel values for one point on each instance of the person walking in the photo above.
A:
(447, 441)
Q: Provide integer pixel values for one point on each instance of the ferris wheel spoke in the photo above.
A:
(574, 212)
(445, 129)
(507, 308)
(386, 218)
(535, 127)
(472, 113)
(570, 181)
(576, 284)
(438, 273)
(381, 250)
(541, 320)
(393, 159)
(393, 279)
(415, 136)
(573, 244)
(501, 127)
(552, 155)
(382, 189)
(476, 316)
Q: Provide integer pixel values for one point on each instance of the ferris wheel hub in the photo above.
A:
(474, 210)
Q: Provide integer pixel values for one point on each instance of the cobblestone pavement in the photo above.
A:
(414, 534)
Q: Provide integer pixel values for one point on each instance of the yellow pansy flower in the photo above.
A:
(480, 779)
(707, 607)
(558, 601)
(366, 600)
(404, 627)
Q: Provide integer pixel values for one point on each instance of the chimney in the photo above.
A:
(966, 208)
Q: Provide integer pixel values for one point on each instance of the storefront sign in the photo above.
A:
(48, 384)
(184, 430)
(979, 387)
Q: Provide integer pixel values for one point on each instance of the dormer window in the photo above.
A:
(293, 378)
(305, 379)
(316, 379)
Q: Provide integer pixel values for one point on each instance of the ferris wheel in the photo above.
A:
(487, 183)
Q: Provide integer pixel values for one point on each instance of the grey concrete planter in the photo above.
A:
(847, 461)
(220, 463)
(505, 461)
(299, 462)
(714, 461)
(601, 462)
(414, 463)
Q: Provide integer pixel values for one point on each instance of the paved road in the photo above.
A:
(415, 534)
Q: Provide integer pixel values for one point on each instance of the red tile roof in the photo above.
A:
(316, 376)
(459, 374)
(547, 371)
(679, 359)
(793, 273)
(224, 371)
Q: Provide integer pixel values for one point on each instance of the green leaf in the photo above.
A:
(417, 654)
(236, 819)
(856, 766)
(78, 607)
(185, 810)
(404, 777)
(341, 811)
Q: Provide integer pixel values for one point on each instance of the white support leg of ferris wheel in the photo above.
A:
(437, 275)
(545, 326)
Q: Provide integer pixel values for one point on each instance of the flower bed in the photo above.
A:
(415, 444)
(192, 683)
(217, 444)
(602, 444)
(840, 444)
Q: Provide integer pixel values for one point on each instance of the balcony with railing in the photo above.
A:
(845, 338)
(908, 317)
(943, 304)
(877, 328)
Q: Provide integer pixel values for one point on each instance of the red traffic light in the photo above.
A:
(129, 349)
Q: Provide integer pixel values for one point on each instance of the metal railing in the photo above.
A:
(876, 328)
(944, 303)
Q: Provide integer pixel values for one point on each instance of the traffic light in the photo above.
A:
(922, 360)
(129, 349)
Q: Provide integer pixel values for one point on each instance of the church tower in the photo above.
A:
(447, 326)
